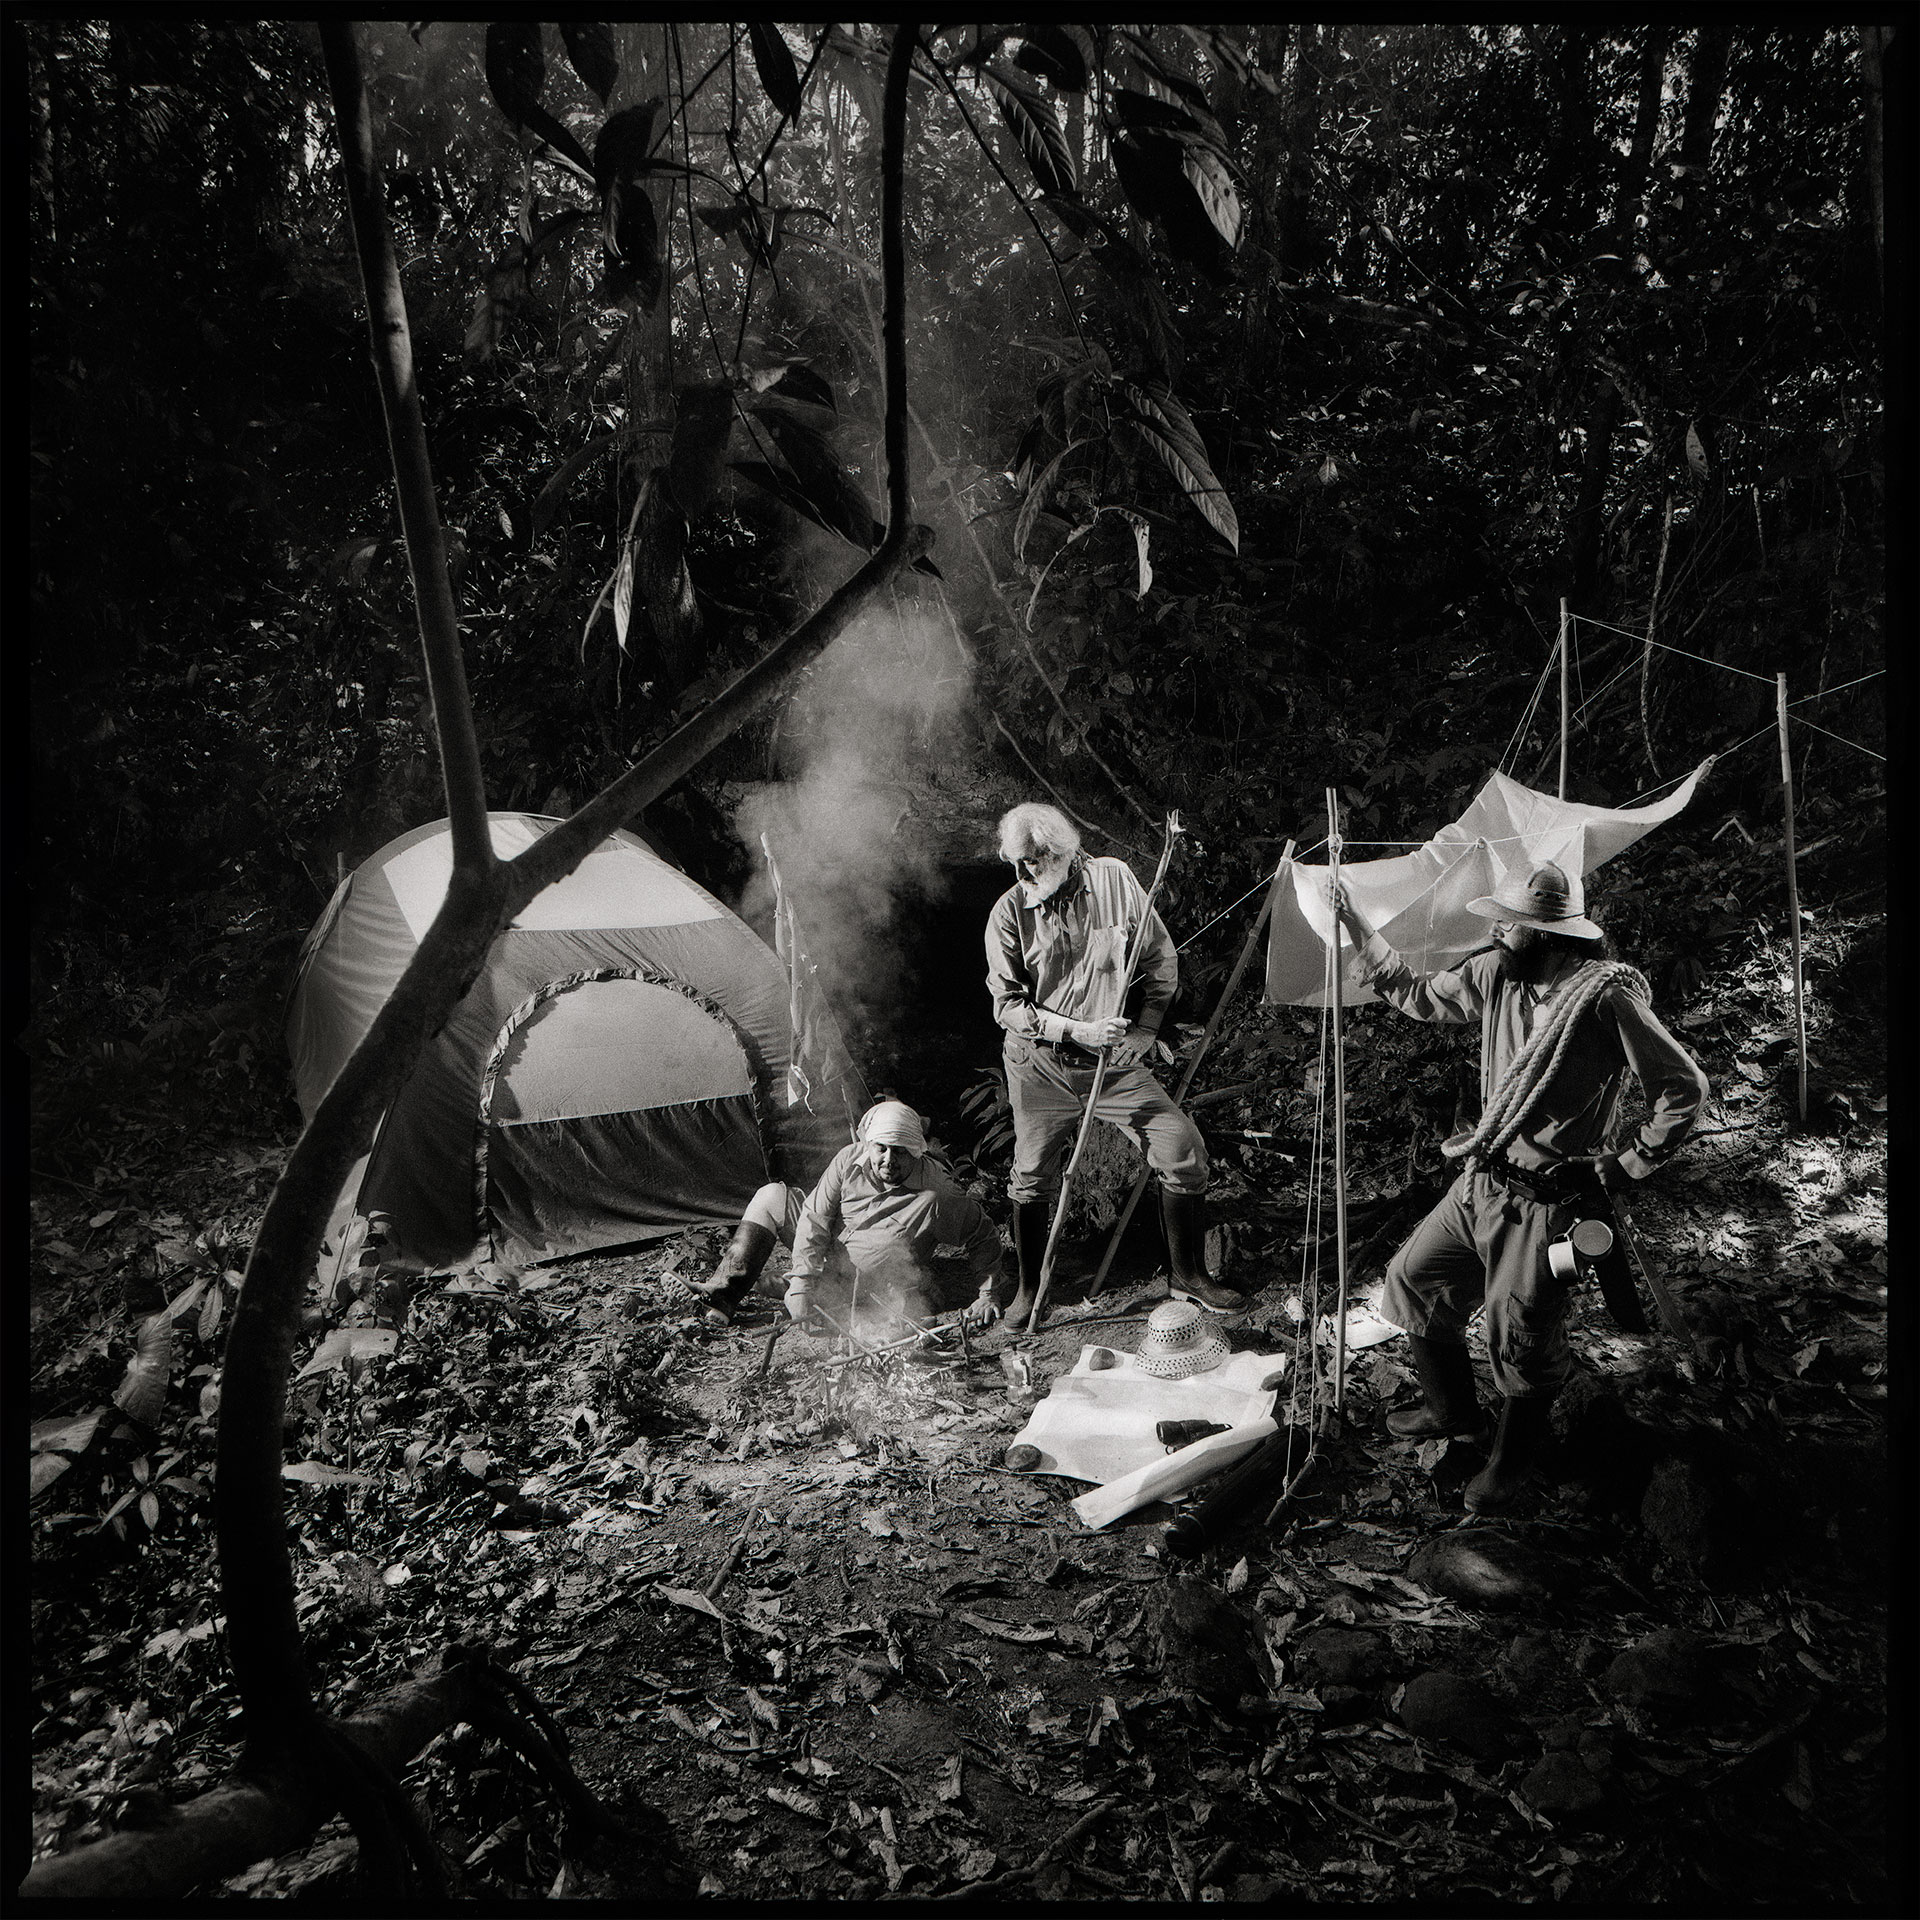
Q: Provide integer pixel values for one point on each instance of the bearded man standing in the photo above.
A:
(1057, 942)
(1560, 1027)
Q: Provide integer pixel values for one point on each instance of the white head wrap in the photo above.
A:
(893, 1124)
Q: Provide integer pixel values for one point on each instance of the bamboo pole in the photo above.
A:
(1793, 907)
(1192, 1068)
(1339, 1118)
(1174, 830)
(1566, 690)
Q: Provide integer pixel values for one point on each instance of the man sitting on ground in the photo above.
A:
(879, 1217)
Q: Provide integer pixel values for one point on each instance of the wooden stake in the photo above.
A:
(1340, 1116)
(1174, 830)
(1193, 1067)
(1793, 907)
(1566, 683)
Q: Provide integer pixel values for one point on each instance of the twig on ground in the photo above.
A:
(1042, 1860)
(733, 1559)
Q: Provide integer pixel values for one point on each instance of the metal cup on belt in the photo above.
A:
(1575, 1254)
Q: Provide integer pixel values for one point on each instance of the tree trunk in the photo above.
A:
(1873, 46)
(229, 1827)
(1630, 206)
(279, 1718)
(1314, 48)
(1269, 123)
(1706, 82)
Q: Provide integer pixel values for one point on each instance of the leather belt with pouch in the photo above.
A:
(1576, 1183)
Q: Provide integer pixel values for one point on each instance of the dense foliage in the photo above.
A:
(1490, 334)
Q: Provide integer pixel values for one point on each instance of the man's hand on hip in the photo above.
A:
(1134, 1046)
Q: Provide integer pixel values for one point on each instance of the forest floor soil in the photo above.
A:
(809, 1637)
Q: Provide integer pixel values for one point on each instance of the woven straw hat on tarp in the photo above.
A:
(1178, 1342)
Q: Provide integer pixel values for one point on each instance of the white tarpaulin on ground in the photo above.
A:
(1098, 1423)
(1419, 900)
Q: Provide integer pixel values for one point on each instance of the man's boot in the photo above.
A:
(732, 1280)
(1447, 1404)
(1511, 1476)
(1031, 1219)
(1183, 1221)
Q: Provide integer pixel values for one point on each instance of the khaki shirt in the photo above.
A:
(1050, 965)
(887, 1229)
(1571, 1118)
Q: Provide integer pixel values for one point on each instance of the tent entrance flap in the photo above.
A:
(619, 1099)
(613, 1045)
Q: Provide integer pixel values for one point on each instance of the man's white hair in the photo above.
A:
(1035, 827)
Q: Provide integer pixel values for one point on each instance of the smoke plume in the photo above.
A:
(865, 746)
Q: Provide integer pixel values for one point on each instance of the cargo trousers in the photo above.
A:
(1049, 1095)
(1486, 1244)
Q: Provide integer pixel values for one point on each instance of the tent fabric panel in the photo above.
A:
(621, 883)
(556, 1187)
(360, 948)
(611, 1045)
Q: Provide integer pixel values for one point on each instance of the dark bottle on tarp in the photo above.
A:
(1246, 1490)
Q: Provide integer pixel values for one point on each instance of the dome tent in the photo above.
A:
(617, 1071)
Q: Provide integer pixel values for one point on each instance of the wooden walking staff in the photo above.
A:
(1193, 1067)
(1174, 830)
(1793, 909)
(1339, 1116)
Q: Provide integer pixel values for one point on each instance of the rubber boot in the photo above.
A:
(732, 1280)
(1031, 1219)
(1183, 1221)
(1511, 1476)
(1447, 1399)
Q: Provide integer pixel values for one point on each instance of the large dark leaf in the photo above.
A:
(1063, 56)
(516, 68)
(1156, 177)
(1141, 110)
(660, 575)
(1030, 120)
(589, 46)
(1150, 176)
(827, 515)
(1037, 496)
(621, 150)
(142, 1392)
(1211, 182)
(773, 62)
(745, 221)
(539, 121)
(1164, 424)
(1146, 303)
(1175, 82)
(516, 71)
(702, 420)
(631, 256)
(799, 383)
(816, 468)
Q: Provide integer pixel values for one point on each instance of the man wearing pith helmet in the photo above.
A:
(1057, 942)
(1561, 1026)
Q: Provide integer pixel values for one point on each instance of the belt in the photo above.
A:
(1070, 1052)
(1570, 1179)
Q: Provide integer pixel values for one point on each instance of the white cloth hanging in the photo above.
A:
(1418, 900)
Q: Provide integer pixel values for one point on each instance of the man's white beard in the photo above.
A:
(1047, 880)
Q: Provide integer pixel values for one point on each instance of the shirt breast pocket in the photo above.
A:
(1107, 949)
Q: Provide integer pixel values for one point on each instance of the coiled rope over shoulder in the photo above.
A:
(1539, 1060)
